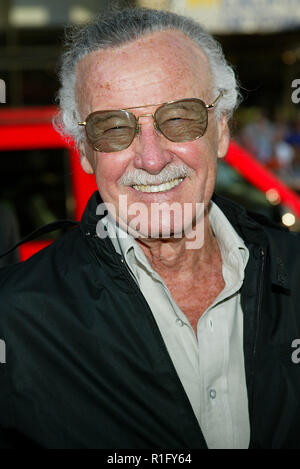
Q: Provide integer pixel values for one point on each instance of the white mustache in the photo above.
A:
(168, 173)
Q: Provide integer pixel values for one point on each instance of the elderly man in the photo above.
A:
(171, 319)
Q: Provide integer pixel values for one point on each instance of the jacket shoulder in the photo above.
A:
(42, 271)
(257, 228)
(278, 235)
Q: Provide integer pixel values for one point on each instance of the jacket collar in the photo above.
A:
(90, 218)
(252, 227)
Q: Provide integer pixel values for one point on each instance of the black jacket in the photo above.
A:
(86, 366)
(9, 234)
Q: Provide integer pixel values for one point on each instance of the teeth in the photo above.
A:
(160, 188)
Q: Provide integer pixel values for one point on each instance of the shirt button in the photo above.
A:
(179, 322)
(212, 393)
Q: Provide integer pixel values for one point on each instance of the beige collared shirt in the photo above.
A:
(211, 365)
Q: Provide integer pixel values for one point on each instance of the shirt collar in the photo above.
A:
(232, 246)
(228, 239)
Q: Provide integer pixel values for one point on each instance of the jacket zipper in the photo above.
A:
(258, 314)
(128, 273)
(262, 255)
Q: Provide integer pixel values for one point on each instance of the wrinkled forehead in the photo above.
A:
(160, 66)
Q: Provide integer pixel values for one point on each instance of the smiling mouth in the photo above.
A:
(166, 186)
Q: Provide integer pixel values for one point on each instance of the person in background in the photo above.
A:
(257, 137)
(293, 139)
(283, 155)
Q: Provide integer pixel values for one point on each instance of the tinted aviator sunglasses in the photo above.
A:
(179, 121)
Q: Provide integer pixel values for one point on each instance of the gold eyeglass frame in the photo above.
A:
(207, 106)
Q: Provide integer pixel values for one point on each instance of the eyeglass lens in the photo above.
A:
(110, 131)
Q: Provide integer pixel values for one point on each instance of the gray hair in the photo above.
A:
(116, 28)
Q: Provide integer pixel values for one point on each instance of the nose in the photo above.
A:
(151, 153)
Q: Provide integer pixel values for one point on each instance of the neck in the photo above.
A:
(171, 256)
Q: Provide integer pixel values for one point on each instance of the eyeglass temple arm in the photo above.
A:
(209, 106)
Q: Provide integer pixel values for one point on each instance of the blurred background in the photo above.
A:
(261, 39)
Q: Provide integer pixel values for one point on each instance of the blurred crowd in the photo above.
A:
(276, 144)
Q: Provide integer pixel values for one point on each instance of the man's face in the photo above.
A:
(157, 68)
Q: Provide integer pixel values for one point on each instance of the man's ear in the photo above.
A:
(84, 160)
(224, 136)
